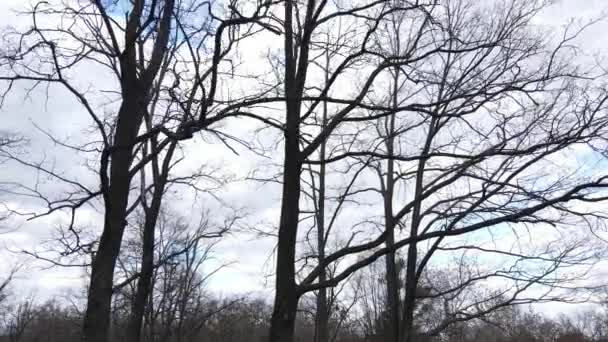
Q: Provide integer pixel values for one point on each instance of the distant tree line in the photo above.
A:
(247, 319)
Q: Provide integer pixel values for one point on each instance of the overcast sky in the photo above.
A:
(249, 256)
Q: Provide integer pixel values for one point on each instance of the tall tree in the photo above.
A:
(147, 53)
(480, 112)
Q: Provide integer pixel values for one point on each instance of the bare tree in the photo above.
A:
(175, 303)
(136, 75)
(148, 53)
(462, 112)
(487, 117)
(463, 86)
(301, 23)
(8, 142)
(19, 320)
(6, 283)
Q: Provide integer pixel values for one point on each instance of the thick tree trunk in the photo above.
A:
(286, 297)
(283, 319)
(97, 316)
(287, 294)
(282, 323)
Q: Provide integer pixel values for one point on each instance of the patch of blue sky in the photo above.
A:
(119, 10)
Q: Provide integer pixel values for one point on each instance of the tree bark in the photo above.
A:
(144, 281)
(411, 279)
(286, 297)
(135, 88)
(322, 315)
(97, 315)
(392, 275)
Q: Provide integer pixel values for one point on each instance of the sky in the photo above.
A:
(249, 256)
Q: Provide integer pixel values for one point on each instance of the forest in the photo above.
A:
(303, 170)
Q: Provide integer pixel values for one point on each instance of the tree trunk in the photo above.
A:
(287, 294)
(409, 302)
(144, 281)
(411, 279)
(322, 315)
(135, 90)
(392, 274)
(97, 316)
(392, 288)
(286, 297)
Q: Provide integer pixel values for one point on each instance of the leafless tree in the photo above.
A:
(161, 181)
(481, 113)
(175, 303)
(8, 142)
(136, 75)
(19, 320)
(453, 119)
(150, 51)
(301, 23)
(6, 283)
(466, 87)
